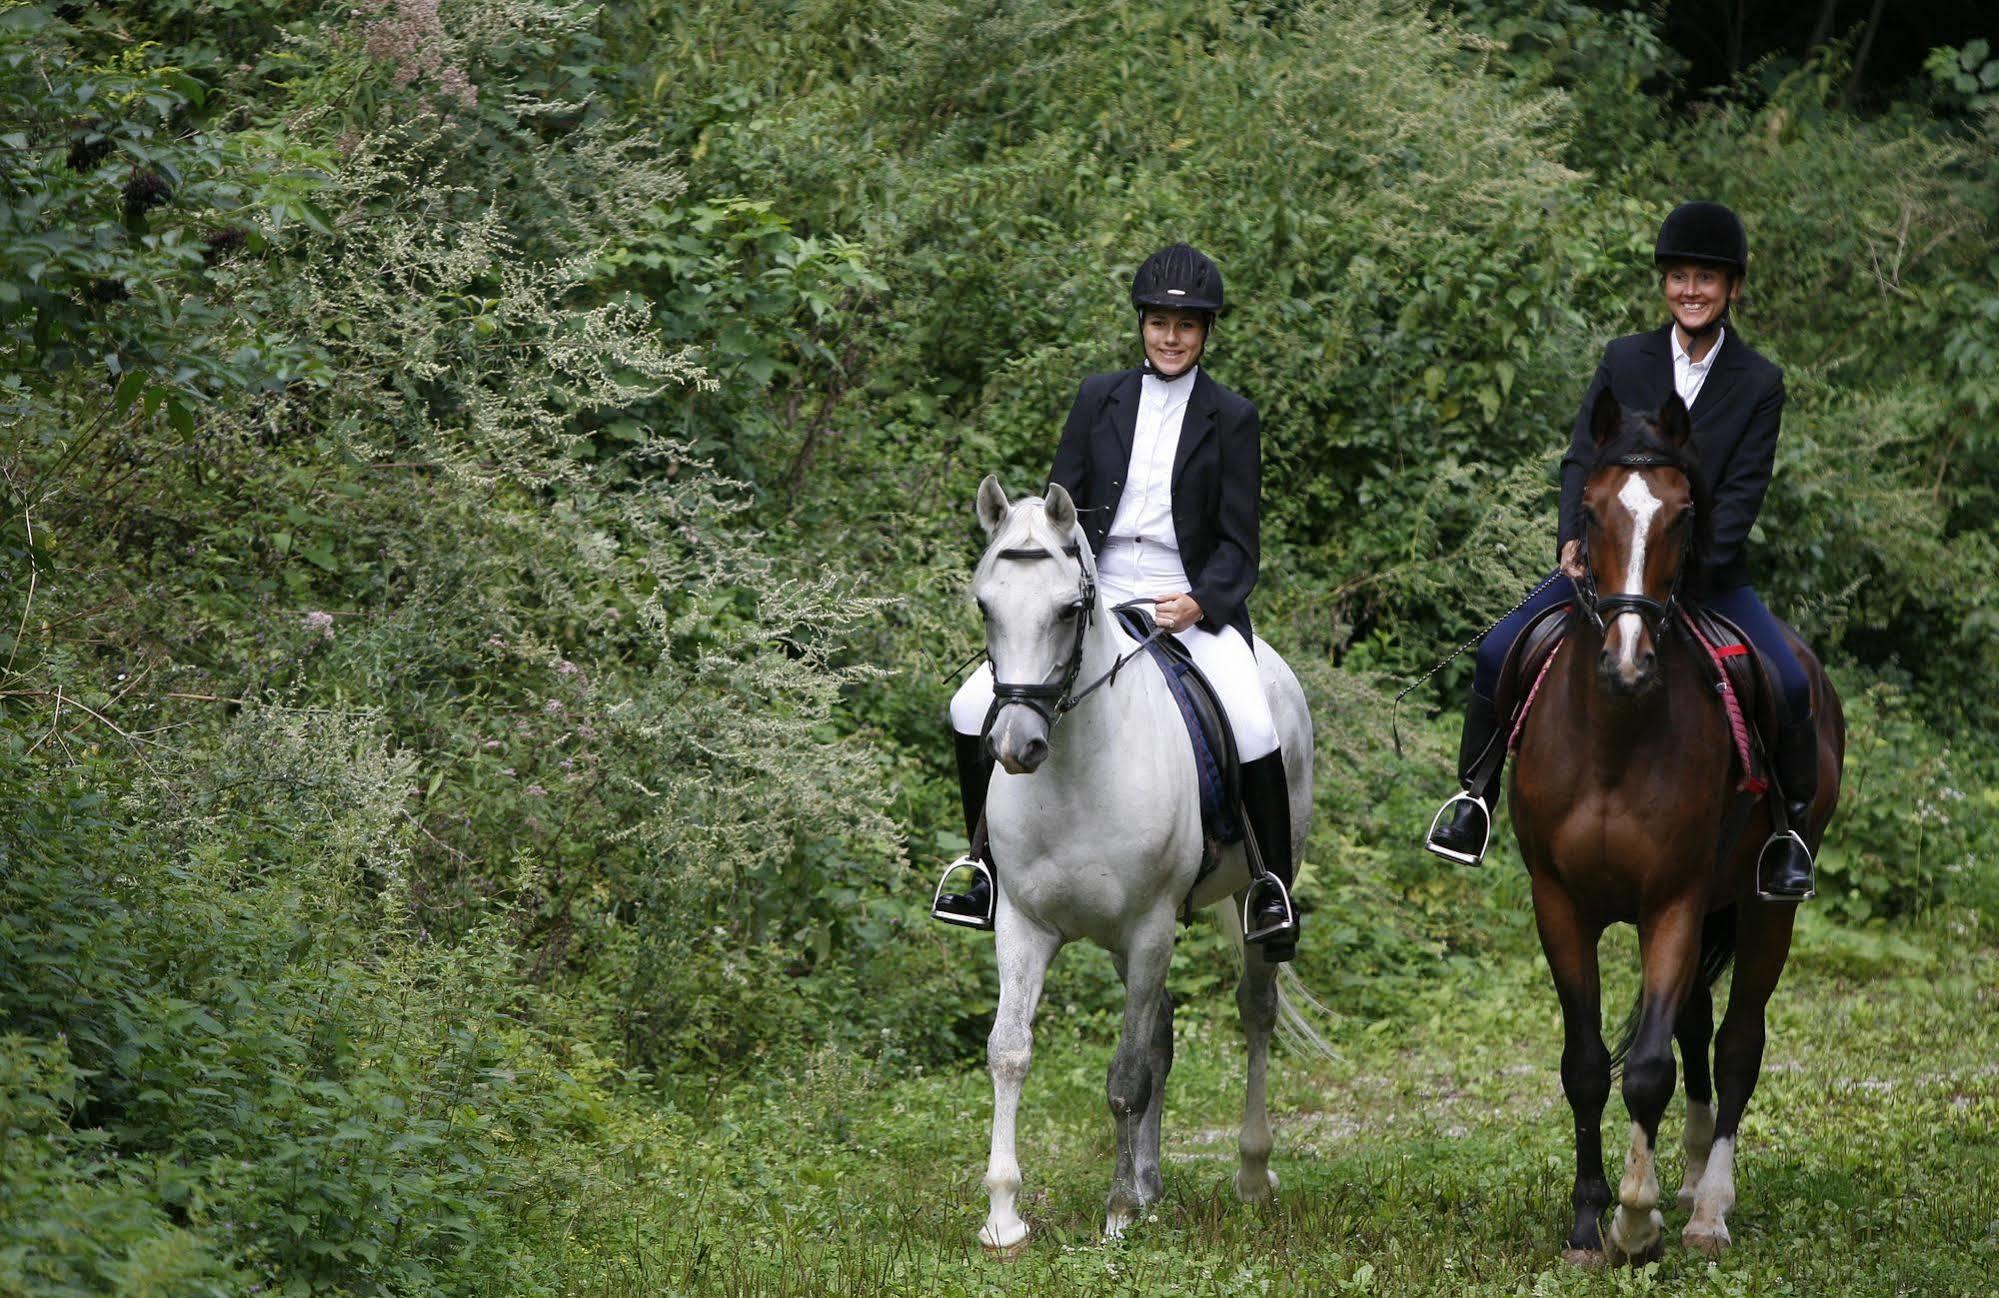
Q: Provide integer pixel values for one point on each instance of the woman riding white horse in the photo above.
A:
(1163, 464)
(1096, 814)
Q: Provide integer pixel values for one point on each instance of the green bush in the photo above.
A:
(1916, 825)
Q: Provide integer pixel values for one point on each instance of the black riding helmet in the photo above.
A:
(1180, 277)
(1703, 232)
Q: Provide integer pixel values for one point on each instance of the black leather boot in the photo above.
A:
(1784, 868)
(972, 908)
(1269, 918)
(1463, 826)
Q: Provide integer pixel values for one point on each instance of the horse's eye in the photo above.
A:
(1069, 612)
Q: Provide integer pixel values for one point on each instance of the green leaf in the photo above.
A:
(128, 391)
(181, 418)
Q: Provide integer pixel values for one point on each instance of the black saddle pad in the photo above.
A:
(1207, 726)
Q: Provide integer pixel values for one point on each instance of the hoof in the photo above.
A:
(1636, 1237)
(1004, 1245)
(1589, 1259)
(1253, 1189)
(1711, 1241)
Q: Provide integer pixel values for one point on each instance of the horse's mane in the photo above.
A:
(1027, 528)
(1639, 445)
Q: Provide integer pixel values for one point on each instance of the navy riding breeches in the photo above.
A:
(1740, 606)
(1498, 642)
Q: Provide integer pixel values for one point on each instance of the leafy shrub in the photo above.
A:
(1915, 827)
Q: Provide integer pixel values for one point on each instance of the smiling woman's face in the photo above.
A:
(1173, 339)
(1697, 294)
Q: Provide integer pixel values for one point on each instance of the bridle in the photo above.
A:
(1052, 698)
(1055, 698)
(1656, 614)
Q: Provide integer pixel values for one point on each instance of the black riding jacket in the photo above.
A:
(1216, 483)
(1735, 421)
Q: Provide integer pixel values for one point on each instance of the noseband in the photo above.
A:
(1656, 614)
(1052, 698)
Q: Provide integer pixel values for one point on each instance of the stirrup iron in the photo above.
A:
(979, 868)
(1812, 882)
(1249, 898)
(1443, 814)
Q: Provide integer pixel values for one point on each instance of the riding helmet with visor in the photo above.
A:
(1178, 277)
(1703, 232)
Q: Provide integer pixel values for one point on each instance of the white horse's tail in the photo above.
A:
(1299, 1010)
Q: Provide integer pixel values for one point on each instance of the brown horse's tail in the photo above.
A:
(1717, 954)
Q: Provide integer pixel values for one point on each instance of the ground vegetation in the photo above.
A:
(487, 505)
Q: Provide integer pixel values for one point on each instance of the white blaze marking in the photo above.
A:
(1636, 496)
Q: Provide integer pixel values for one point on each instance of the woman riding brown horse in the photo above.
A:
(1626, 805)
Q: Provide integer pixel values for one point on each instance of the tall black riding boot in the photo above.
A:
(1269, 918)
(972, 908)
(1463, 826)
(1784, 868)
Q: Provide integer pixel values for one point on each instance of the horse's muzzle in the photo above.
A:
(1629, 667)
(1018, 739)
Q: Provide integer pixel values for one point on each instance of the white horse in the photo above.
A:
(1096, 833)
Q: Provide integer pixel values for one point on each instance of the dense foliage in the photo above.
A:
(487, 499)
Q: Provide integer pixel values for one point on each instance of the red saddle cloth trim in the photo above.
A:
(1520, 717)
(1738, 726)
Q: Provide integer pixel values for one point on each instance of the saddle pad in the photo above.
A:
(1738, 680)
(1731, 664)
(1207, 727)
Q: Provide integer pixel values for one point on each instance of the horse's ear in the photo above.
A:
(992, 503)
(1606, 417)
(1675, 426)
(1059, 510)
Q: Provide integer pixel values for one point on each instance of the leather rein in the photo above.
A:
(1053, 699)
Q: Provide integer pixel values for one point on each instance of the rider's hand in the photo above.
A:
(1572, 560)
(1176, 612)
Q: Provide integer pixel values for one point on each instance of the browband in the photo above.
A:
(1072, 551)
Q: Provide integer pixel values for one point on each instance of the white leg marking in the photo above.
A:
(1708, 1230)
(1023, 959)
(1636, 496)
(1699, 1137)
(1636, 1226)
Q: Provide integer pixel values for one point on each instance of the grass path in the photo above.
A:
(1432, 1157)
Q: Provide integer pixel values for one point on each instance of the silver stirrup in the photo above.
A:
(1811, 891)
(976, 866)
(1249, 895)
(1430, 839)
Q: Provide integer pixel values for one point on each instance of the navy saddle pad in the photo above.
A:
(1207, 726)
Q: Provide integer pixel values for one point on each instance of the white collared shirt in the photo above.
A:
(1690, 374)
(1145, 509)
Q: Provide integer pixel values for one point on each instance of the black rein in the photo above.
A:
(1053, 699)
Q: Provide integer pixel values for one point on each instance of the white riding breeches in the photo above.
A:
(1223, 656)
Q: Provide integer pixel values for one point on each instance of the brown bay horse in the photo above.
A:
(1625, 804)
